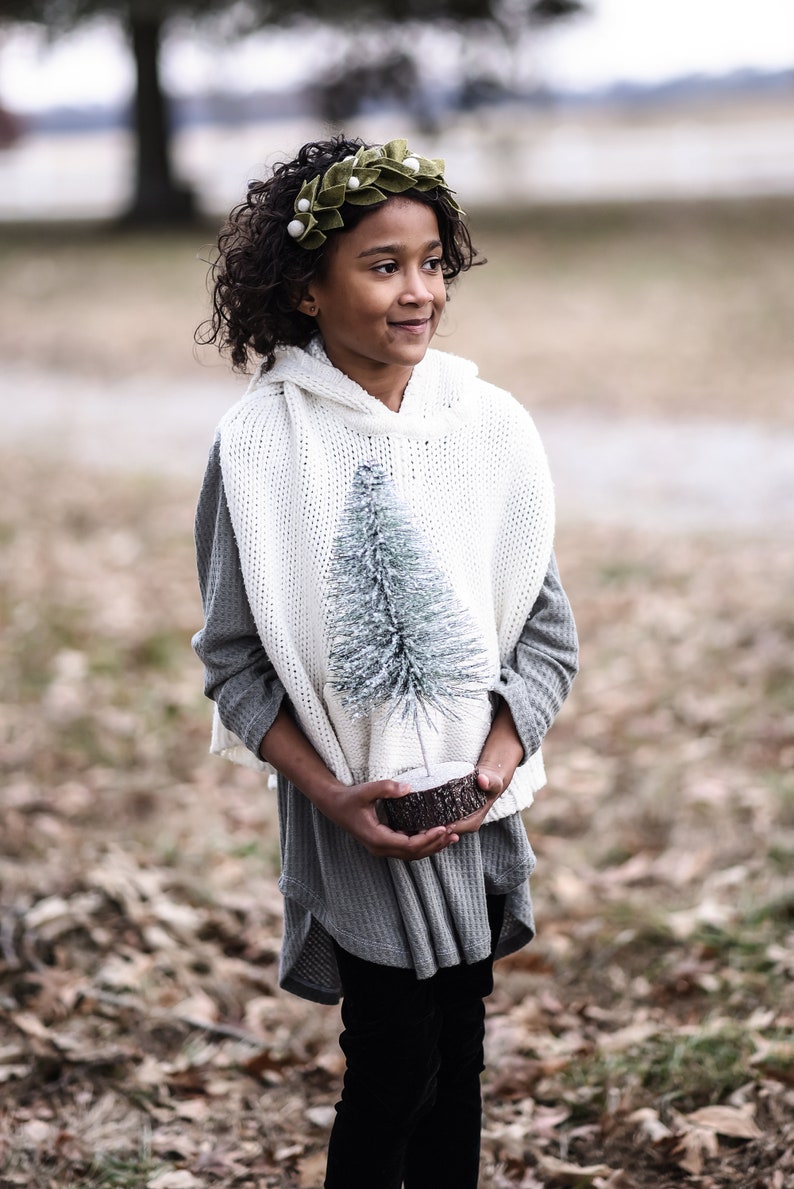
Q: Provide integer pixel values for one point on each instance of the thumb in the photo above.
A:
(389, 789)
(489, 780)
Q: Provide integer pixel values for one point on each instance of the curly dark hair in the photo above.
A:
(259, 273)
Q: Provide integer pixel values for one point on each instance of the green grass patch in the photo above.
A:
(119, 1172)
(680, 1069)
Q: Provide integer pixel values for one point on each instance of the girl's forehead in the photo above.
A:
(397, 222)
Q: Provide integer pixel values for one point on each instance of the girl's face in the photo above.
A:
(381, 295)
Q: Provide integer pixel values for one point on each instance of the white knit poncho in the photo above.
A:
(466, 458)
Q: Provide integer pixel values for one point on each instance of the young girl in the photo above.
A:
(333, 274)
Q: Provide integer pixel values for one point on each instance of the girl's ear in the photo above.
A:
(308, 305)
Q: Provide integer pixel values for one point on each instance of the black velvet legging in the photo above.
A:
(411, 1107)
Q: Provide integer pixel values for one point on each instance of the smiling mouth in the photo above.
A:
(412, 324)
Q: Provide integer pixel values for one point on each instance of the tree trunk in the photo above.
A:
(157, 198)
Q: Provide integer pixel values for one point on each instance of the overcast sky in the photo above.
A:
(621, 40)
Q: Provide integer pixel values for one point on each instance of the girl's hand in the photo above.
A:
(354, 809)
(501, 754)
(493, 780)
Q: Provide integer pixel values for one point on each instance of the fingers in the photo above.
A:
(393, 845)
(360, 818)
(471, 824)
(492, 783)
(430, 842)
(384, 842)
(386, 790)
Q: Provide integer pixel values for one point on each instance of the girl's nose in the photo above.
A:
(416, 290)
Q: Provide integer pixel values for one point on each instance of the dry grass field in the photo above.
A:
(669, 309)
(645, 1039)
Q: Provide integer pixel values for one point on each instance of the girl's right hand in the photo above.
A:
(354, 809)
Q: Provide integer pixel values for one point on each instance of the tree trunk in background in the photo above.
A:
(157, 197)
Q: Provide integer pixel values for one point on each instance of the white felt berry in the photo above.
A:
(304, 205)
(295, 228)
(411, 163)
(353, 183)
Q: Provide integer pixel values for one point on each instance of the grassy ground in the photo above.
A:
(643, 1040)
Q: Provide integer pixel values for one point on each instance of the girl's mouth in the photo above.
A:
(412, 325)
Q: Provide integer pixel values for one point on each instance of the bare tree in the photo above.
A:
(158, 195)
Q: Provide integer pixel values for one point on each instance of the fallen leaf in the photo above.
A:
(546, 1119)
(618, 1180)
(288, 1152)
(519, 1075)
(264, 1062)
(509, 1140)
(35, 1133)
(650, 1123)
(573, 1174)
(30, 1025)
(311, 1171)
(197, 1109)
(321, 1116)
(10, 1073)
(173, 1140)
(177, 1179)
(732, 1121)
(693, 1145)
(628, 1037)
(150, 1072)
(199, 1007)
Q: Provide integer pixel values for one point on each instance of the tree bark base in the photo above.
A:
(441, 805)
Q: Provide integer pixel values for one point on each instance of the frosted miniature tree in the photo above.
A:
(399, 636)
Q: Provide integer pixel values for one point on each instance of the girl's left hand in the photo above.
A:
(501, 754)
(493, 780)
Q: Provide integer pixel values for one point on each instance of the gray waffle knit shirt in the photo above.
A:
(424, 915)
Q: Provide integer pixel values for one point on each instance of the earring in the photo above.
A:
(312, 311)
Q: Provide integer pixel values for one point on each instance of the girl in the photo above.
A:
(333, 274)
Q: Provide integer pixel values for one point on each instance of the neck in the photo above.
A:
(386, 382)
(388, 390)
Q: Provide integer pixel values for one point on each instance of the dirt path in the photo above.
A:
(670, 475)
(688, 475)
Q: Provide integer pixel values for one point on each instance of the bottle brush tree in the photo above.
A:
(399, 636)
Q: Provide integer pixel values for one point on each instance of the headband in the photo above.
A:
(363, 179)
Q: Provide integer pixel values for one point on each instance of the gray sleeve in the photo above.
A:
(537, 676)
(238, 675)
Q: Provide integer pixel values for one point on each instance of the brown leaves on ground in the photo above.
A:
(644, 1040)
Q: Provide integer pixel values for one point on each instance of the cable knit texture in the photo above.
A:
(468, 461)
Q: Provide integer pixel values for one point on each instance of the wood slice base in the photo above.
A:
(439, 806)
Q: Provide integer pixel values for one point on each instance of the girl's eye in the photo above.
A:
(389, 267)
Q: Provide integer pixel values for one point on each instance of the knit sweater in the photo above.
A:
(430, 913)
(288, 453)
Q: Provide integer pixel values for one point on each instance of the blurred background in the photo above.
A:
(628, 169)
(550, 101)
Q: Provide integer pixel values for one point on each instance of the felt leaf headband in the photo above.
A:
(365, 178)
